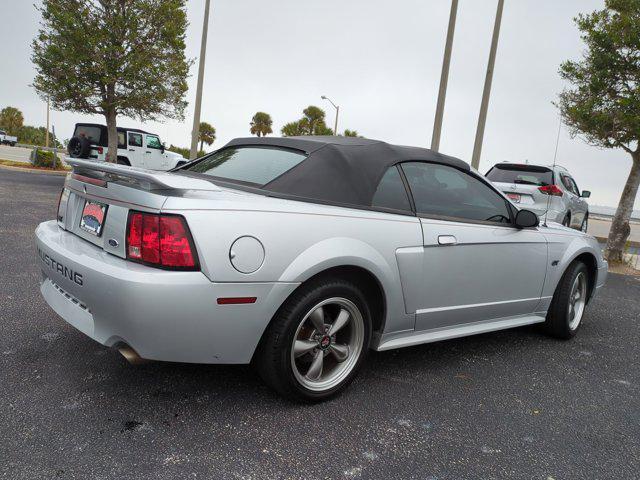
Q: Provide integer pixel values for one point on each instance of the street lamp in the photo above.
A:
(335, 127)
(195, 131)
(444, 77)
(484, 105)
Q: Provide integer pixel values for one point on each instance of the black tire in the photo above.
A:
(585, 223)
(79, 147)
(123, 161)
(273, 359)
(558, 322)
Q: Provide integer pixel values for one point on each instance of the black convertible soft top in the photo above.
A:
(343, 170)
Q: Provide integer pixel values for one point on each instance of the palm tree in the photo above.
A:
(315, 119)
(207, 134)
(293, 129)
(312, 123)
(261, 124)
(11, 120)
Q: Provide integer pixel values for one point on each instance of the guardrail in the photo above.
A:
(48, 149)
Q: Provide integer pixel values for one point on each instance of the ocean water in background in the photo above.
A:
(610, 211)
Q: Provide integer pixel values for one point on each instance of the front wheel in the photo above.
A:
(569, 302)
(317, 341)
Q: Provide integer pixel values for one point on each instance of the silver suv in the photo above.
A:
(541, 189)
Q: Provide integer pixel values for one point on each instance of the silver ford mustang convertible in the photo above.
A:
(300, 254)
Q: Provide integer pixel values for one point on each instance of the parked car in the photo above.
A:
(300, 254)
(136, 148)
(550, 192)
(7, 139)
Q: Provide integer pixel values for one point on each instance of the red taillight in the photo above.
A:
(553, 190)
(160, 240)
(134, 236)
(100, 150)
(150, 239)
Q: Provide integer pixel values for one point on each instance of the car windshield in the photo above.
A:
(521, 174)
(252, 165)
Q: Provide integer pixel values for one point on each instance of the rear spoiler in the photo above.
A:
(146, 179)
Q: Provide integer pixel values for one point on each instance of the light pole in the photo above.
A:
(46, 135)
(335, 127)
(195, 132)
(444, 77)
(484, 106)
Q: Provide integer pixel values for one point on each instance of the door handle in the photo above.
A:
(132, 150)
(147, 151)
(447, 240)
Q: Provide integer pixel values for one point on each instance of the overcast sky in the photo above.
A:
(380, 60)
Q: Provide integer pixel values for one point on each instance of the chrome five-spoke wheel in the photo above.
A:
(577, 300)
(327, 344)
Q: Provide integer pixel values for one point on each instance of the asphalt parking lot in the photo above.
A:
(512, 404)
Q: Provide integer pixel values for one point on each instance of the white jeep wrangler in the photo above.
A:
(136, 148)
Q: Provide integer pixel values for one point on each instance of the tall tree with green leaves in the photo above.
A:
(11, 120)
(207, 134)
(113, 57)
(37, 136)
(312, 123)
(602, 103)
(261, 124)
(293, 129)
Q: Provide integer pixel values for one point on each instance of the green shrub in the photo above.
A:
(44, 158)
(185, 152)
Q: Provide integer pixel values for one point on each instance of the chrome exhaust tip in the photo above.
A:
(131, 355)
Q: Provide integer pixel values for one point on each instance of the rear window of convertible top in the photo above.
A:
(252, 165)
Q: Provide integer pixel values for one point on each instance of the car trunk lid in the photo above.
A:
(98, 196)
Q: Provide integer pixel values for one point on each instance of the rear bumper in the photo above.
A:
(162, 315)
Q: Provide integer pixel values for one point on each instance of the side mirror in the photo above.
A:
(585, 194)
(527, 219)
(162, 147)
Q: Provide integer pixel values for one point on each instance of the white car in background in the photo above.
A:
(549, 191)
(7, 139)
(136, 148)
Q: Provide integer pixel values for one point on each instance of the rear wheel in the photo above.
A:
(585, 224)
(317, 341)
(569, 302)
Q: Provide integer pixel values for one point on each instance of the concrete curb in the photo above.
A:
(33, 170)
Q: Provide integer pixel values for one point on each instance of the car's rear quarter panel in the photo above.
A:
(301, 240)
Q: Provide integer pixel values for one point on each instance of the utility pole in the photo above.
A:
(46, 135)
(444, 77)
(195, 132)
(484, 106)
